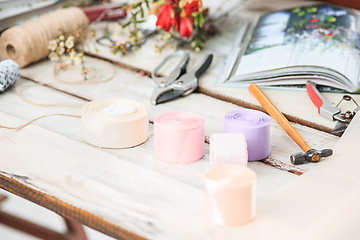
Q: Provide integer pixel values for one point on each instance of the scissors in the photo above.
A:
(179, 82)
(330, 110)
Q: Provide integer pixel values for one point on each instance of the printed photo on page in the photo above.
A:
(317, 42)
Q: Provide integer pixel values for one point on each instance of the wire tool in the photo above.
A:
(179, 82)
(330, 110)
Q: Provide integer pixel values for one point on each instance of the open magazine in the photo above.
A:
(320, 43)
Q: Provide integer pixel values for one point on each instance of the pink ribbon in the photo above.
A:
(179, 137)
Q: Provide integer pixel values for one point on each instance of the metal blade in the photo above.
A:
(169, 95)
(340, 127)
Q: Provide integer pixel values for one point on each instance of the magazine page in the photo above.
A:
(322, 35)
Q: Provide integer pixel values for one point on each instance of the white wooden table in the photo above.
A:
(129, 193)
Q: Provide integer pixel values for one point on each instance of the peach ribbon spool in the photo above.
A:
(179, 137)
(115, 123)
(228, 148)
(230, 195)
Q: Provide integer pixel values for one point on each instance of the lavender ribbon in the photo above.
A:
(9, 74)
(255, 126)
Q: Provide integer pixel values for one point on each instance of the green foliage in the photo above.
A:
(137, 13)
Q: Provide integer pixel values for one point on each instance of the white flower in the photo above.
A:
(60, 50)
(72, 54)
(69, 42)
(61, 38)
(52, 45)
(67, 60)
(77, 60)
(139, 35)
(53, 57)
(117, 29)
(61, 44)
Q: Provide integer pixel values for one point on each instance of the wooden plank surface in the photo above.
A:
(93, 180)
(129, 193)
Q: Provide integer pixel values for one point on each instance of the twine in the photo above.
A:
(29, 41)
(44, 116)
(21, 89)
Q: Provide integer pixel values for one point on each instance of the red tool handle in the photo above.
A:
(314, 95)
(104, 13)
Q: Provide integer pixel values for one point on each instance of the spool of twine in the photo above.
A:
(29, 41)
(9, 74)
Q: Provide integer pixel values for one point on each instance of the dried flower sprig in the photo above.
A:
(66, 51)
(135, 38)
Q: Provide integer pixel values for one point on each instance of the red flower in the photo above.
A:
(186, 26)
(191, 6)
(175, 20)
(164, 19)
(313, 20)
(172, 3)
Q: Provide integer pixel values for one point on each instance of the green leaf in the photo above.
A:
(126, 24)
(142, 13)
(201, 20)
(196, 21)
(147, 4)
(296, 10)
(302, 13)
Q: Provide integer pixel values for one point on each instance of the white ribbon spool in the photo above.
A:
(228, 149)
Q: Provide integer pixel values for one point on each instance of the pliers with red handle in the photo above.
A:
(330, 110)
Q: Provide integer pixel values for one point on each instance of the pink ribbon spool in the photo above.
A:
(179, 137)
(228, 148)
(230, 195)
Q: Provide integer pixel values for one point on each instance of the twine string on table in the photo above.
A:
(44, 116)
(21, 89)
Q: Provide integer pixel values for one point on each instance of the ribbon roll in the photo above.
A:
(255, 126)
(228, 148)
(115, 123)
(179, 137)
(9, 74)
(230, 195)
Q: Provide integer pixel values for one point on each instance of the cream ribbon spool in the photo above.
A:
(228, 148)
(115, 123)
(230, 195)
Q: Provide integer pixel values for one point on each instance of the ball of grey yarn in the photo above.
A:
(9, 74)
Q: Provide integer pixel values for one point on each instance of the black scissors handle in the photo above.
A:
(204, 65)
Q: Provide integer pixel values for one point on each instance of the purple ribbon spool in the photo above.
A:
(255, 126)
